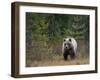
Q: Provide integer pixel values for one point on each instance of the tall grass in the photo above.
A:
(46, 54)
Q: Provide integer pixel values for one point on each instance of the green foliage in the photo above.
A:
(56, 26)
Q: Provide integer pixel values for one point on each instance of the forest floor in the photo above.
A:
(59, 61)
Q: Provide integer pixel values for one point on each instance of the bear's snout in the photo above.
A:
(66, 47)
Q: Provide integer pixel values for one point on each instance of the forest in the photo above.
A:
(44, 37)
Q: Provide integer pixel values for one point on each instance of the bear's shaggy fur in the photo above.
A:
(69, 48)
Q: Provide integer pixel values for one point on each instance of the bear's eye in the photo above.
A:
(65, 44)
(68, 44)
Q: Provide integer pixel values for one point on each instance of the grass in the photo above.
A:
(43, 54)
(58, 61)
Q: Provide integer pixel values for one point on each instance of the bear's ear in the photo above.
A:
(70, 40)
(64, 40)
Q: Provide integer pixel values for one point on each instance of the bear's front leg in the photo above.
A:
(65, 56)
(72, 55)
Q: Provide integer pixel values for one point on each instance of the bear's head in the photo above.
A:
(68, 44)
